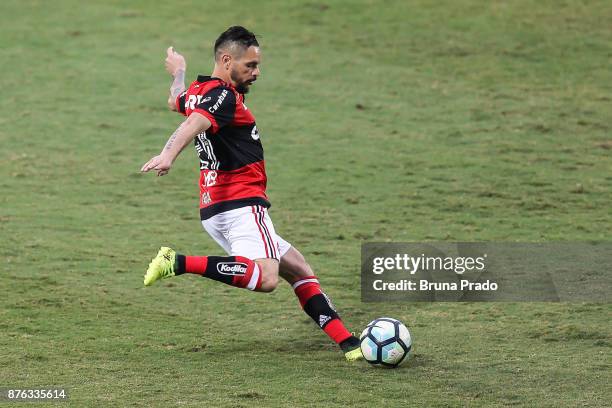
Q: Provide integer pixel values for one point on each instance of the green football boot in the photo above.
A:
(161, 267)
(351, 349)
(354, 355)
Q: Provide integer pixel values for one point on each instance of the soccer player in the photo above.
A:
(233, 201)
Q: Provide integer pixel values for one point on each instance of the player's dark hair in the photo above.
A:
(235, 35)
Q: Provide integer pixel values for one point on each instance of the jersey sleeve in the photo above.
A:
(180, 103)
(219, 106)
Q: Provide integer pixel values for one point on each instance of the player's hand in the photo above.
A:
(159, 163)
(174, 61)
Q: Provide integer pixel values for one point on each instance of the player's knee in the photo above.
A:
(269, 282)
(269, 275)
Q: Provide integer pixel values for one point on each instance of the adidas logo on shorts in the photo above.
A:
(231, 268)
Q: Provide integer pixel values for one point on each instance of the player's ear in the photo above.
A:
(226, 60)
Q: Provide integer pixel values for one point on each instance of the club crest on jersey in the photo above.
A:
(232, 268)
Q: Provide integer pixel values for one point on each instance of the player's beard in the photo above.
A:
(241, 87)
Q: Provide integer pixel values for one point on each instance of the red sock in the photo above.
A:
(196, 264)
(318, 306)
(232, 270)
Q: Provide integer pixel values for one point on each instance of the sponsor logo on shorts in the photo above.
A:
(232, 268)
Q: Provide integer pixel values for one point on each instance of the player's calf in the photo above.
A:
(259, 275)
(315, 303)
(293, 266)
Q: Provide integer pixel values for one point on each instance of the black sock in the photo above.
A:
(179, 264)
(350, 343)
(318, 308)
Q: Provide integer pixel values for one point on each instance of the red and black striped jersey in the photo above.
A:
(232, 169)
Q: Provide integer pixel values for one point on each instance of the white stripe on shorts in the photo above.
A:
(262, 224)
(264, 236)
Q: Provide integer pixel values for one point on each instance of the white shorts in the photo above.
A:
(248, 232)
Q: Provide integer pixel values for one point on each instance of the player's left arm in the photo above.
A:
(176, 66)
(185, 133)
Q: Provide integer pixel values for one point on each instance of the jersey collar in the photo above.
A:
(206, 78)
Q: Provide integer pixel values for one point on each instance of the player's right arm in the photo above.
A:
(176, 66)
(216, 110)
(185, 133)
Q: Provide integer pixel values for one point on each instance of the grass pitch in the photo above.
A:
(382, 121)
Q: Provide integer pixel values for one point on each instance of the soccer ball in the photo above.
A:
(386, 341)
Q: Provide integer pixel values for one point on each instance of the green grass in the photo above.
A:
(382, 121)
